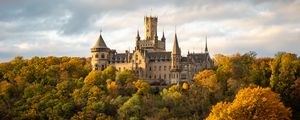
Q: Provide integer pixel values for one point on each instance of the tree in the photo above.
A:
(109, 73)
(143, 87)
(112, 87)
(94, 78)
(251, 103)
(260, 72)
(125, 79)
(131, 108)
(284, 73)
(295, 96)
(208, 79)
(171, 96)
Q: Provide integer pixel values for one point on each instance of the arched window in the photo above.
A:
(102, 55)
(96, 56)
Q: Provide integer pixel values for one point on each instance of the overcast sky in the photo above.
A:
(70, 27)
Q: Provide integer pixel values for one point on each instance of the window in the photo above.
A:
(102, 55)
(159, 68)
(150, 69)
(96, 56)
(165, 76)
(165, 68)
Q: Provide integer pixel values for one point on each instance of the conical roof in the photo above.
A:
(206, 49)
(176, 49)
(163, 36)
(100, 43)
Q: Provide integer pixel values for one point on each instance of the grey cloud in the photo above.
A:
(23, 21)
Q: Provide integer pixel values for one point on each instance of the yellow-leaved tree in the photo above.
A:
(251, 103)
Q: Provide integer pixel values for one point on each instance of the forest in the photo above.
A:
(239, 87)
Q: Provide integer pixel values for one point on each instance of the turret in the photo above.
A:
(175, 62)
(163, 39)
(155, 41)
(138, 39)
(100, 54)
(206, 49)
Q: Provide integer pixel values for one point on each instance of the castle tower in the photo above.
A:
(100, 54)
(175, 62)
(151, 27)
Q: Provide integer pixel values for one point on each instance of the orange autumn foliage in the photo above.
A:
(251, 103)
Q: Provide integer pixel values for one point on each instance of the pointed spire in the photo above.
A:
(138, 35)
(176, 49)
(206, 49)
(156, 37)
(163, 36)
(100, 42)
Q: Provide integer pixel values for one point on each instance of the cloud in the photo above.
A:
(70, 27)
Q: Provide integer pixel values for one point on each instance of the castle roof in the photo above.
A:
(198, 57)
(164, 56)
(100, 43)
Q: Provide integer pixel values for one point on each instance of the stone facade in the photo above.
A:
(150, 60)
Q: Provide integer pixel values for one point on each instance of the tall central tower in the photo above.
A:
(151, 27)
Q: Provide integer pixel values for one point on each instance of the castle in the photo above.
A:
(150, 60)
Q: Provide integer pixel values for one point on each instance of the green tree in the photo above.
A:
(284, 73)
(125, 80)
(132, 108)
